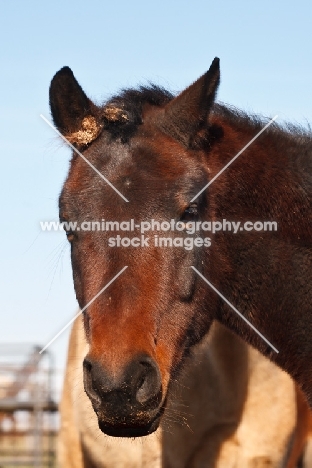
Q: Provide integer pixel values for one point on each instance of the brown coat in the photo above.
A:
(230, 408)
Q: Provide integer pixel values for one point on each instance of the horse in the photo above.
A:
(219, 413)
(145, 159)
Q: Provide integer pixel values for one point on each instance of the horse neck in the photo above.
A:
(270, 180)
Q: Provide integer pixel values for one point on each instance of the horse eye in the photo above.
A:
(70, 235)
(67, 226)
(190, 212)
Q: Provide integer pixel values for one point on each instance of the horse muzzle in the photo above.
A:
(128, 402)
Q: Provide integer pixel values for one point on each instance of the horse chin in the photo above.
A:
(119, 430)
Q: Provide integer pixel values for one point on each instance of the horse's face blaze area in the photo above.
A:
(153, 149)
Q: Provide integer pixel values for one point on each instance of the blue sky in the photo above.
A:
(266, 67)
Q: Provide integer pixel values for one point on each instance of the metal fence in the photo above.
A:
(28, 412)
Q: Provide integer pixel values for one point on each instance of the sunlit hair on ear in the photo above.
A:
(89, 131)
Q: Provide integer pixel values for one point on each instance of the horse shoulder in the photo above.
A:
(228, 388)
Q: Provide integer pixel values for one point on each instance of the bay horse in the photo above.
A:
(156, 152)
(219, 414)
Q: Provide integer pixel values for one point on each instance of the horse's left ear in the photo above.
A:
(188, 112)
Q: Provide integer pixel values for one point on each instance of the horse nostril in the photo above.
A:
(148, 384)
(143, 393)
(137, 385)
(87, 365)
(88, 381)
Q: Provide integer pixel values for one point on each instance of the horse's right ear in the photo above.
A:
(73, 113)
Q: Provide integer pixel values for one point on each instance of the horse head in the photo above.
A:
(153, 149)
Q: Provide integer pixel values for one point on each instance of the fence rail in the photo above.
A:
(28, 412)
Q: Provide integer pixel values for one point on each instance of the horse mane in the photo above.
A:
(256, 122)
(132, 100)
(129, 104)
(294, 141)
